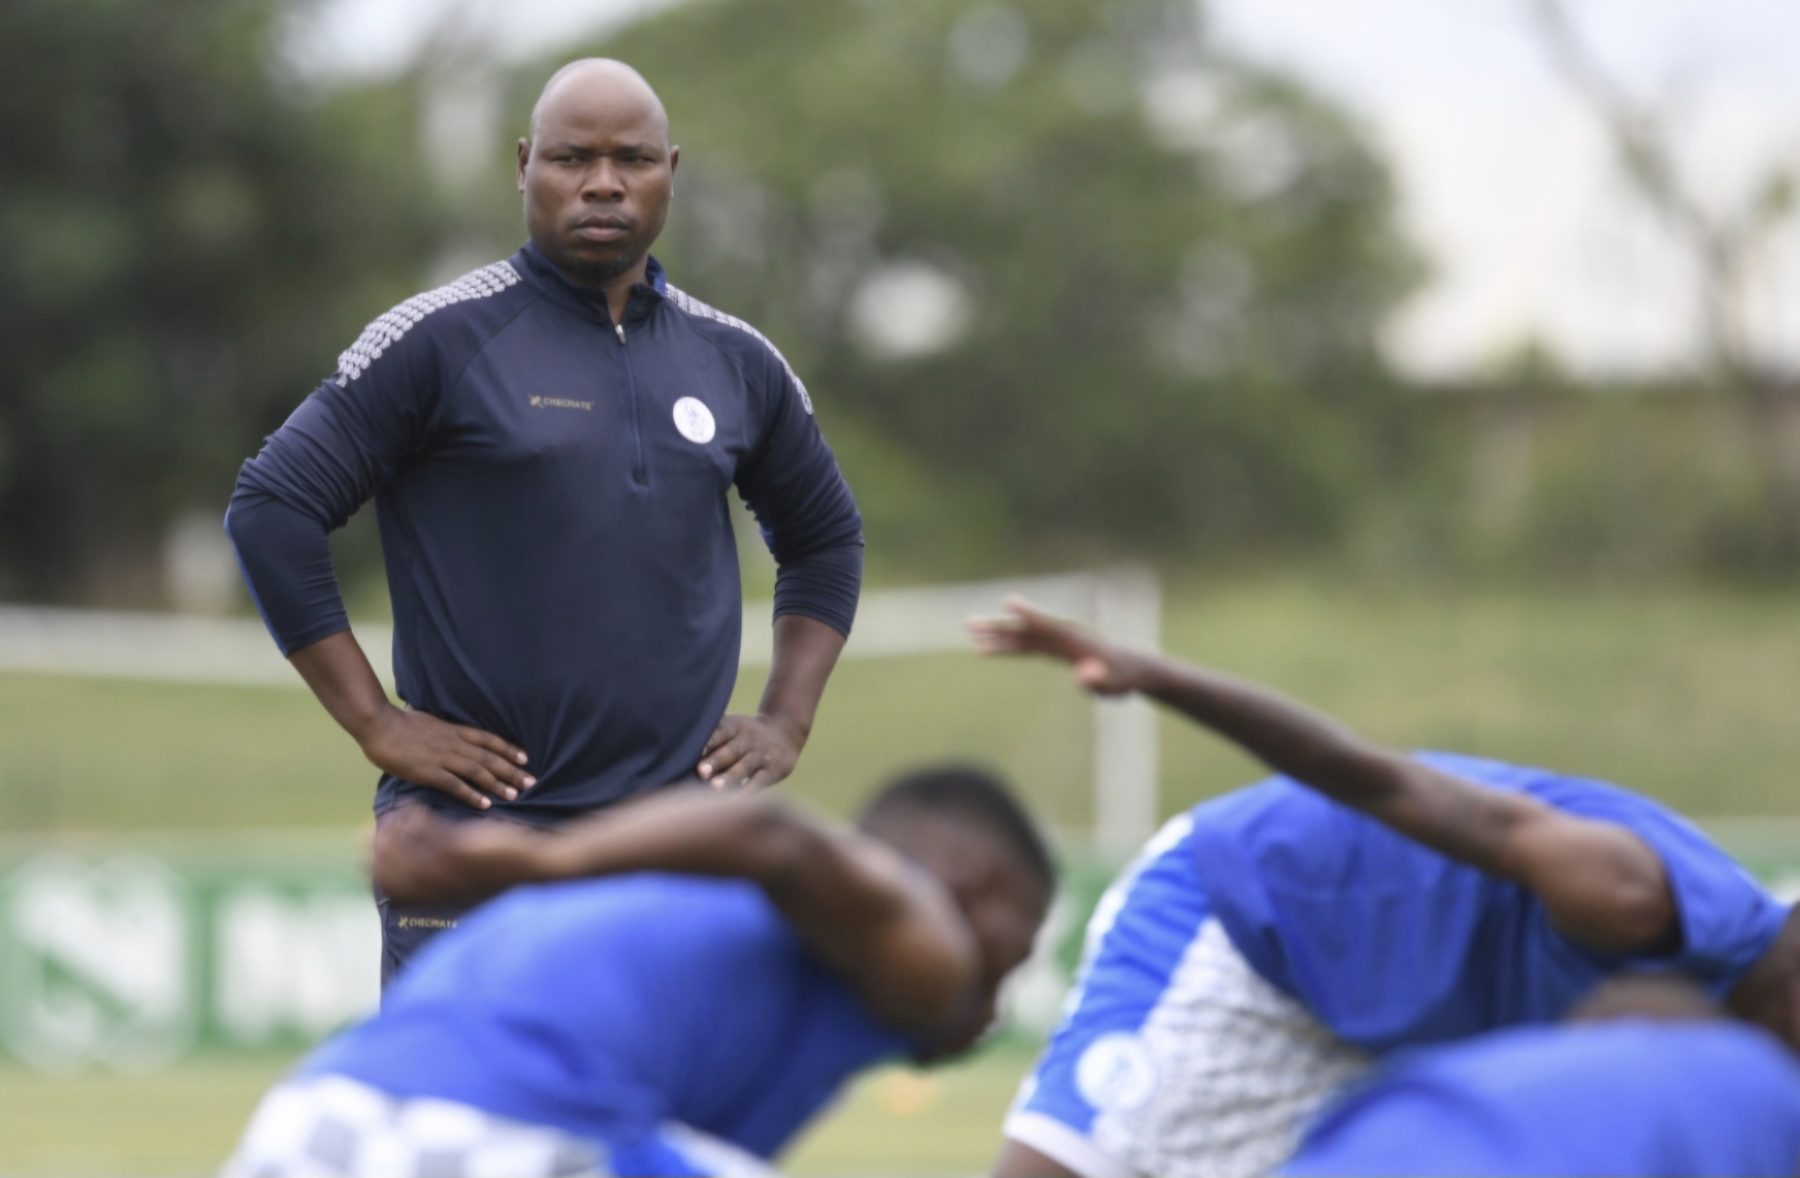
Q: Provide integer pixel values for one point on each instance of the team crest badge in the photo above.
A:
(694, 420)
(1116, 1072)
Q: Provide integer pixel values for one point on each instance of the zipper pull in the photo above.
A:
(619, 330)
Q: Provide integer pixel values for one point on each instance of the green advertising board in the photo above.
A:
(130, 957)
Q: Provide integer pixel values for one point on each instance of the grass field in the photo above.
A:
(1680, 692)
(894, 1122)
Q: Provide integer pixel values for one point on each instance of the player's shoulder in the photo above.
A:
(466, 308)
(735, 336)
(1250, 810)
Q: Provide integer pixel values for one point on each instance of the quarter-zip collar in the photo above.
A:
(542, 273)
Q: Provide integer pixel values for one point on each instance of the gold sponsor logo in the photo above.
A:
(561, 403)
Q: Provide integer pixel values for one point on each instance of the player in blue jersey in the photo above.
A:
(1673, 1091)
(664, 1024)
(1269, 943)
(552, 442)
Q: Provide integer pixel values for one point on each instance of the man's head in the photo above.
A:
(597, 171)
(965, 827)
(1769, 991)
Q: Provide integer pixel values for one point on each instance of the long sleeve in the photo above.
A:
(808, 516)
(312, 474)
(286, 561)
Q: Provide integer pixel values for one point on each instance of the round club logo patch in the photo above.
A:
(694, 420)
(1116, 1072)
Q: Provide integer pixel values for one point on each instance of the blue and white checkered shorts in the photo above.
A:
(1174, 1057)
(335, 1127)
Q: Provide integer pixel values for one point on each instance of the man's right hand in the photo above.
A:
(470, 765)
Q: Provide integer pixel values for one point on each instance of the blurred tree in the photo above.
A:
(1070, 283)
(1119, 290)
(186, 239)
(1726, 245)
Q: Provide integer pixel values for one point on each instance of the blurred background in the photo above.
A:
(1439, 363)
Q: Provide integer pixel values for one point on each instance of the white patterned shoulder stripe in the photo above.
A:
(694, 306)
(391, 326)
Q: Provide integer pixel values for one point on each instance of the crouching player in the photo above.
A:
(1268, 943)
(678, 1023)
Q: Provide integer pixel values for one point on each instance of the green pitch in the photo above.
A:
(184, 1122)
(1683, 693)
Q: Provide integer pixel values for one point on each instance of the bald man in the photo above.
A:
(551, 441)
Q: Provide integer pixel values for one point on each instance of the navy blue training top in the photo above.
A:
(553, 498)
(1392, 944)
(1617, 1099)
(606, 1007)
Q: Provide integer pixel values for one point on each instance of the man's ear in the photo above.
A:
(524, 157)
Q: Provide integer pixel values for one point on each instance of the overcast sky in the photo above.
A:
(1506, 179)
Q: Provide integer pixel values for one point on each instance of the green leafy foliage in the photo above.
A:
(186, 239)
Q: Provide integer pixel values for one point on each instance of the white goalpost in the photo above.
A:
(1125, 603)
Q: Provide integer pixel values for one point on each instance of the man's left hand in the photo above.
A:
(750, 752)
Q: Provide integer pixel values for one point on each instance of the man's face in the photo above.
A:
(1005, 910)
(597, 175)
(1005, 904)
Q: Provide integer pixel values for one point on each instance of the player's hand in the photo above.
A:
(418, 857)
(1100, 667)
(470, 765)
(750, 752)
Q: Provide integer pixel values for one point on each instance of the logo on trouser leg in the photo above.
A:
(1116, 1072)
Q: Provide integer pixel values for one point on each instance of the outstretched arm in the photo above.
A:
(1601, 885)
(889, 929)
